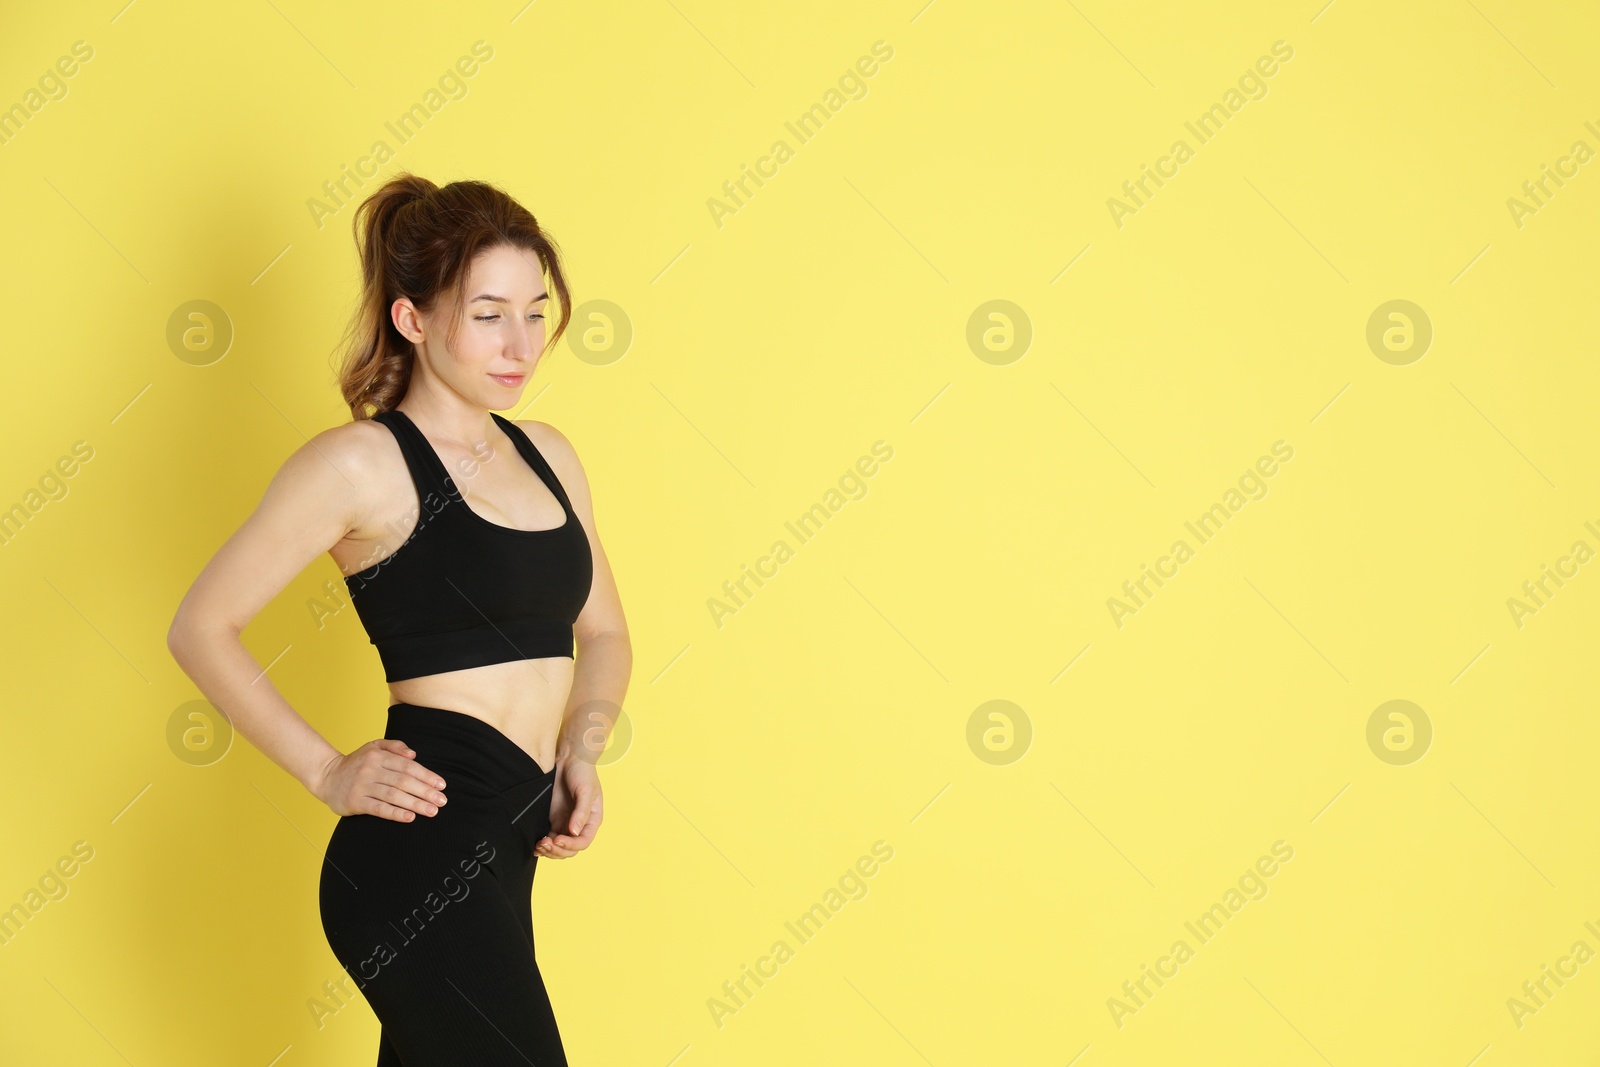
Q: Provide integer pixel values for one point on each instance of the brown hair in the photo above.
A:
(417, 240)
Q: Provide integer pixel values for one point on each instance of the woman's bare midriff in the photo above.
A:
(523, 699)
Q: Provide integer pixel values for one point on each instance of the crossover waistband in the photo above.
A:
(460, 746)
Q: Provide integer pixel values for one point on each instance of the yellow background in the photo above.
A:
(1164, 757)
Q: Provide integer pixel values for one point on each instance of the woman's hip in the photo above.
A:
(497, 807)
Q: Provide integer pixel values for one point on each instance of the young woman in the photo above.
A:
(469, 550)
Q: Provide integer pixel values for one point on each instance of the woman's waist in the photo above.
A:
(524, 700)
(468, 749)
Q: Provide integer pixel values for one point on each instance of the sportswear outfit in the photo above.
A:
(432, 918)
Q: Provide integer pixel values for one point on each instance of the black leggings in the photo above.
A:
(432, 919)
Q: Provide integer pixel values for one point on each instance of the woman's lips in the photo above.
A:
(509, 380)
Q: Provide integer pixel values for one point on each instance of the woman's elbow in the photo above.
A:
(180, 636)
(187, 633)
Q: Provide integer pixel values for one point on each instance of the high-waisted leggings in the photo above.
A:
(432, 918)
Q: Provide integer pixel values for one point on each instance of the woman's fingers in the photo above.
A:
(587, 808)
(405, 790)
(423, 775)
(570, 845)
(579, 841)
(399, 787)
(402, 798)
(563, 846)
(551, 850)
(415, 778)
(389, 811)
(589, 812)
(380, 778)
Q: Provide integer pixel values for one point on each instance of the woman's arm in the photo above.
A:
(320, 494)
(604, 662)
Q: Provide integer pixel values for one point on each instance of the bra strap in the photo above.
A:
(535, 458)
(417, 453)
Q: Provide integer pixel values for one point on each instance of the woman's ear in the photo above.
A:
(407, 319)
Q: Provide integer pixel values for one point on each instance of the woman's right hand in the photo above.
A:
(381, 778)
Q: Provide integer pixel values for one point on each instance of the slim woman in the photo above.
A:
(468, 545)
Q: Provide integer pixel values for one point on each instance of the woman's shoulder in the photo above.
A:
(356, 439)
(557, 450)
(547, 438)
(361, 451)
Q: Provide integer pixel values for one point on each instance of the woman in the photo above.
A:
(469, 550)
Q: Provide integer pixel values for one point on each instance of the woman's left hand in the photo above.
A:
(575, 810)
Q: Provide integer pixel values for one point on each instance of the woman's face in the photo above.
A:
(501, 334)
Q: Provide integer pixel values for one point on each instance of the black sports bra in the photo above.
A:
(462, 591)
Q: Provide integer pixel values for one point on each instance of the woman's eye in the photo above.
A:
(492, 318)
